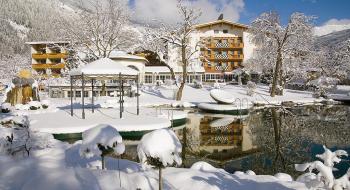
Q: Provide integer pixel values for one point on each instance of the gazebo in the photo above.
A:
(103, 69)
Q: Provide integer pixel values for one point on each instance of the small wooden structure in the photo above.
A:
(23, 90)
(104, 69)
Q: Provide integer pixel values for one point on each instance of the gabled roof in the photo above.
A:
(104, 66)
(123, 55)
(221, 22)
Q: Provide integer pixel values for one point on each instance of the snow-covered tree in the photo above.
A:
(99, 29)
(10, 66)
(153, 41)
(178, 38)
(333, 61)
(18, 139)
(160, 148)
(102, 140)
(277, 43)
(325, 177)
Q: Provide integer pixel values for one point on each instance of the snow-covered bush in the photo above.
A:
(197, 84)
(5, 107)
(45, 104)
(169, 82)
(325, 178)
(322, 86)
(160, 148)
(251, 87)
(34, 105)
(216, 85)
(102, 140)
(16, 137)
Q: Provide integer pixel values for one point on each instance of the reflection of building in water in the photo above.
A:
(224, 139)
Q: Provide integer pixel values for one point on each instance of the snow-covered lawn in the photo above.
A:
(61, 167)
(163, 95)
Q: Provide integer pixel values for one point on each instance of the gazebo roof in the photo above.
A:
(105, 67)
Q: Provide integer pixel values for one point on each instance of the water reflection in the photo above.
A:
(267, 141)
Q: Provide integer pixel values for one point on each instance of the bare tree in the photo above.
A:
(178, 37)
(283, 42)
(99, 30)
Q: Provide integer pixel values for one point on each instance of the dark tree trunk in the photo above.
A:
(184, 73)
(276, 73)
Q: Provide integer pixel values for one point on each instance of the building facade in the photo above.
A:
(48, 58)
(221, 46)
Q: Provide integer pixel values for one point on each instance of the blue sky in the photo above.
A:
(244, 11)
(323, 9)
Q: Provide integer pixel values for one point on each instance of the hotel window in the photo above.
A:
(148, 79)
(216, 31)
(225, 31)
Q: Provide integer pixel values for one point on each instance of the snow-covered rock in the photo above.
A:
(222, 96)
(203, 166)
(283, 177)
(6, 107)
(250, 172)
(162, 144)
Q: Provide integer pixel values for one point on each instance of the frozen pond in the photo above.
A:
(267, 141)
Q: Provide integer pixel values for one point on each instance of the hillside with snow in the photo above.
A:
(332, 39)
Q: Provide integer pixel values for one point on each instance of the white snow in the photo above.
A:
(103, 135)
(103, 66)
(222, 96)
(222, 107)
(162, 144)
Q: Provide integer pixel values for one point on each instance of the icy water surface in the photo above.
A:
(267, 141)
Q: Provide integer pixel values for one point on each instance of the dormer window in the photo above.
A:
(216, 31)
(225, 31)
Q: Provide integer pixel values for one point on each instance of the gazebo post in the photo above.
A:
(120, 95)
(137, 94)
(71, 95)
(92, 96)
(82, 95)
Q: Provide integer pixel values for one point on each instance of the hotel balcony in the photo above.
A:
(225, 57)
(48, 66)
(49, 55)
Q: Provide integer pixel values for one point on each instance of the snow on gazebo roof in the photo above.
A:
(103, 66)
(124, 55)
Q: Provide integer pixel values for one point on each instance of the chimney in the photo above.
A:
(221, 17)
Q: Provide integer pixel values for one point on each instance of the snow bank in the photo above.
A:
(162, 144)
(101, 135)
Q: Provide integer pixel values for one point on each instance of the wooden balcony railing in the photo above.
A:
(49, 55)
(224, 57)
(48, 66)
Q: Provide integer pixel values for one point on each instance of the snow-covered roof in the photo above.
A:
(124, 55)
(47, 42)
(103, 66)
(164, 69)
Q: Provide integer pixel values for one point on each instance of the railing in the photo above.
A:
(225, 57)
(48, 66)
(49, 55)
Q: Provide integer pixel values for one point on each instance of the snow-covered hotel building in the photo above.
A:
(48, 57)
(226, 47)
